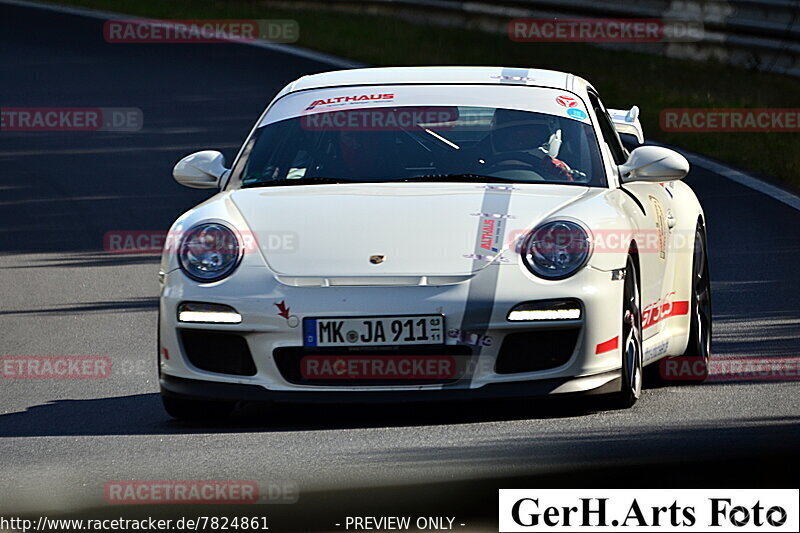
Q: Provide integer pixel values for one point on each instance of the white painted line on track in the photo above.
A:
(738, 176)
(742, 178)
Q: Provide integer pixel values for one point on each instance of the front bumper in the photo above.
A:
(255, 294)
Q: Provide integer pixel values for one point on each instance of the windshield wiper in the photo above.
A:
(297, 181)
(460, 177)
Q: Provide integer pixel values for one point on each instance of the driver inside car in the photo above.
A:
(518, 141)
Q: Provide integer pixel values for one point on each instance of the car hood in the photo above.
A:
(420, 229)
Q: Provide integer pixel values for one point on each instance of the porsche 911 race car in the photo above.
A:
(423, 234)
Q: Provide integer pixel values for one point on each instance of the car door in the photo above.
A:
(652, 218)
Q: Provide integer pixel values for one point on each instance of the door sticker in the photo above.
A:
(661, 227)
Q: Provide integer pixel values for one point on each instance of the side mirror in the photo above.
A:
(654, 164)
(201, 170)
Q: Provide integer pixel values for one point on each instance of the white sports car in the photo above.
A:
(404, 234)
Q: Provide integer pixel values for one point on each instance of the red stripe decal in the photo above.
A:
(653, 314)
(680, 308)
(607, 346)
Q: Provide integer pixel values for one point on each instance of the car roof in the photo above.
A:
(435, 75)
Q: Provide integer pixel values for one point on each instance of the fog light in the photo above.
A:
(208, 313)
(546, 310)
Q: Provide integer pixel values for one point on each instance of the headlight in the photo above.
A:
(557, 249)
(209, 252)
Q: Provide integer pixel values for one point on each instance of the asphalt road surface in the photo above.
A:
(60, 294)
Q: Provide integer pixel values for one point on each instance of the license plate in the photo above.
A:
(374, 331)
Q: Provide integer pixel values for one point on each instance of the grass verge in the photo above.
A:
(623, 78)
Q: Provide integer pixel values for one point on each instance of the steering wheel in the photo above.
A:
(514, 160)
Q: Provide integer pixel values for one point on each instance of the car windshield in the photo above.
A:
(433, 143)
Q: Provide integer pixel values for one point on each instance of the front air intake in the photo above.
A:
(536, 350)
(220, 352)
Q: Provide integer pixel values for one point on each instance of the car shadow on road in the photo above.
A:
(143, 414)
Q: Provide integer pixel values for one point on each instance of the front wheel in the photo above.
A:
(700, 330)
(698, 350)
(631, 388)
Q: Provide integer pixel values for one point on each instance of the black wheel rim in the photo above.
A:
(632, 333)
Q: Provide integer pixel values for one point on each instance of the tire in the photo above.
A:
(698, 350)
(632, 372)
(196, 410)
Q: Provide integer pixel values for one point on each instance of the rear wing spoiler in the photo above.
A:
(627, 122)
